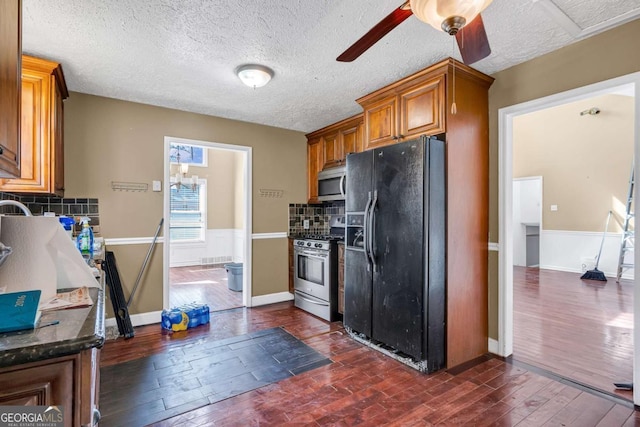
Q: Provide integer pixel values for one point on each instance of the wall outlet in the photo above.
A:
(554, 208)
(157, 186)
(305, 224)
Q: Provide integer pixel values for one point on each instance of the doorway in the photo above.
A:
(207, 211)
(507, 116)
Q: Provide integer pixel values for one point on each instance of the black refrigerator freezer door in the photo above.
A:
(398, 242)
(357, 292)
(359, 180)
(357, 277)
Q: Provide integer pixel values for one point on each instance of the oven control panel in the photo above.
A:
(311, 244)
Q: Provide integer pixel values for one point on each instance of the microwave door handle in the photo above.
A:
(372, 233)
(342, 182)
(365, 229)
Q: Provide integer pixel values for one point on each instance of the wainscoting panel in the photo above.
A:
(220, 246)
(576, 251)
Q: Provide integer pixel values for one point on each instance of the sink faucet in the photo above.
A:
(24, 209)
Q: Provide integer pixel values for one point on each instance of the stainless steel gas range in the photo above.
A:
(315, 281)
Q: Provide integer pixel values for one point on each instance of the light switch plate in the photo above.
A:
(554, 208)
(306, 224)
(157, 186)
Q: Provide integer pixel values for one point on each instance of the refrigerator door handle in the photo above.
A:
(371, 227)
(365, 228)
(342, 182)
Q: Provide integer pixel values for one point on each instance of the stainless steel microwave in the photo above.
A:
(332, 184)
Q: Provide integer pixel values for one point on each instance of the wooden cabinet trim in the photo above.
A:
(440, 68)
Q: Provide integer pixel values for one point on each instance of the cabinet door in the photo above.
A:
(10, 66)
(332, 150)
(380, 123)
(49, 384)
(341, 279)
(422, 109)
(290, 265)
(314, 161)
(350, 141)
(34, 150)
(41, 149)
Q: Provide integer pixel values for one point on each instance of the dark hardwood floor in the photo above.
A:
(578, 329)
(364, 387)
(204, 285)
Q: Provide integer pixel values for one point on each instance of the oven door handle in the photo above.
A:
(312, 301)
(312, 254)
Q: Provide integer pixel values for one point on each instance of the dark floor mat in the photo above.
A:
(182, 379)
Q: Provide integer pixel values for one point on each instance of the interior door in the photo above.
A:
(398, 293)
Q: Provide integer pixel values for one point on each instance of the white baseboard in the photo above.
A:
(139, 319)
(271, 298)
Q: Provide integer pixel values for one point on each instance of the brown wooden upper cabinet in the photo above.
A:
(328, 147)
(41, 141)
(405, 110)
(10, 51)
(314, 165)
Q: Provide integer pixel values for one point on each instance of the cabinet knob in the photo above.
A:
(1, 149)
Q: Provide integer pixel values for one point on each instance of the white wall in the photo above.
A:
(527, 200)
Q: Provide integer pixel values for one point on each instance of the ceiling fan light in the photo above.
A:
(254, 75)
(440, 13)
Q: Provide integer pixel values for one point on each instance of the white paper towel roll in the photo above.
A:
(43, 257)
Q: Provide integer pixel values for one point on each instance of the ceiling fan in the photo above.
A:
(459, 18)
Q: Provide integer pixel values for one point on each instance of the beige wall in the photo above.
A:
(584, 160)
(221, 175)
(602, 57)
(109, 140)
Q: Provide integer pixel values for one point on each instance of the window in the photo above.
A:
(188, 206)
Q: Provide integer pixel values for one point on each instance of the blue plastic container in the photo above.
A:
(185, 317)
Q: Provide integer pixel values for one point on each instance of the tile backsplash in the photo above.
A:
(318, 216)
(38, 205)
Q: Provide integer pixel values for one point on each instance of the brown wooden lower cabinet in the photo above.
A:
(71, 382)
(340, 278)
(290, 265)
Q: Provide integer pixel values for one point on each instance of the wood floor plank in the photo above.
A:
(363, 387)
(578, 329)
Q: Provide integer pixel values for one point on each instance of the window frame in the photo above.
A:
(202, 187)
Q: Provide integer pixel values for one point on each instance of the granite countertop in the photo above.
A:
(79, 329)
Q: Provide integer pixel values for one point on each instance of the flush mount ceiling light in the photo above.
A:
(254, 75)
(448, 15)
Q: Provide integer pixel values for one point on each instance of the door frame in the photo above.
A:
(540, 213)
(248, 226)
(506, 116)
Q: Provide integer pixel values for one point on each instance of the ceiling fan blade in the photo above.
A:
(392, 20)
(473, 42)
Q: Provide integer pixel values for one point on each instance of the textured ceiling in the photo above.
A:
(183, 54)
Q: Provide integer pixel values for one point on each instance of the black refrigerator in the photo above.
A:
(395, 259)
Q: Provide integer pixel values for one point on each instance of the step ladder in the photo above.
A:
(628, 241)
